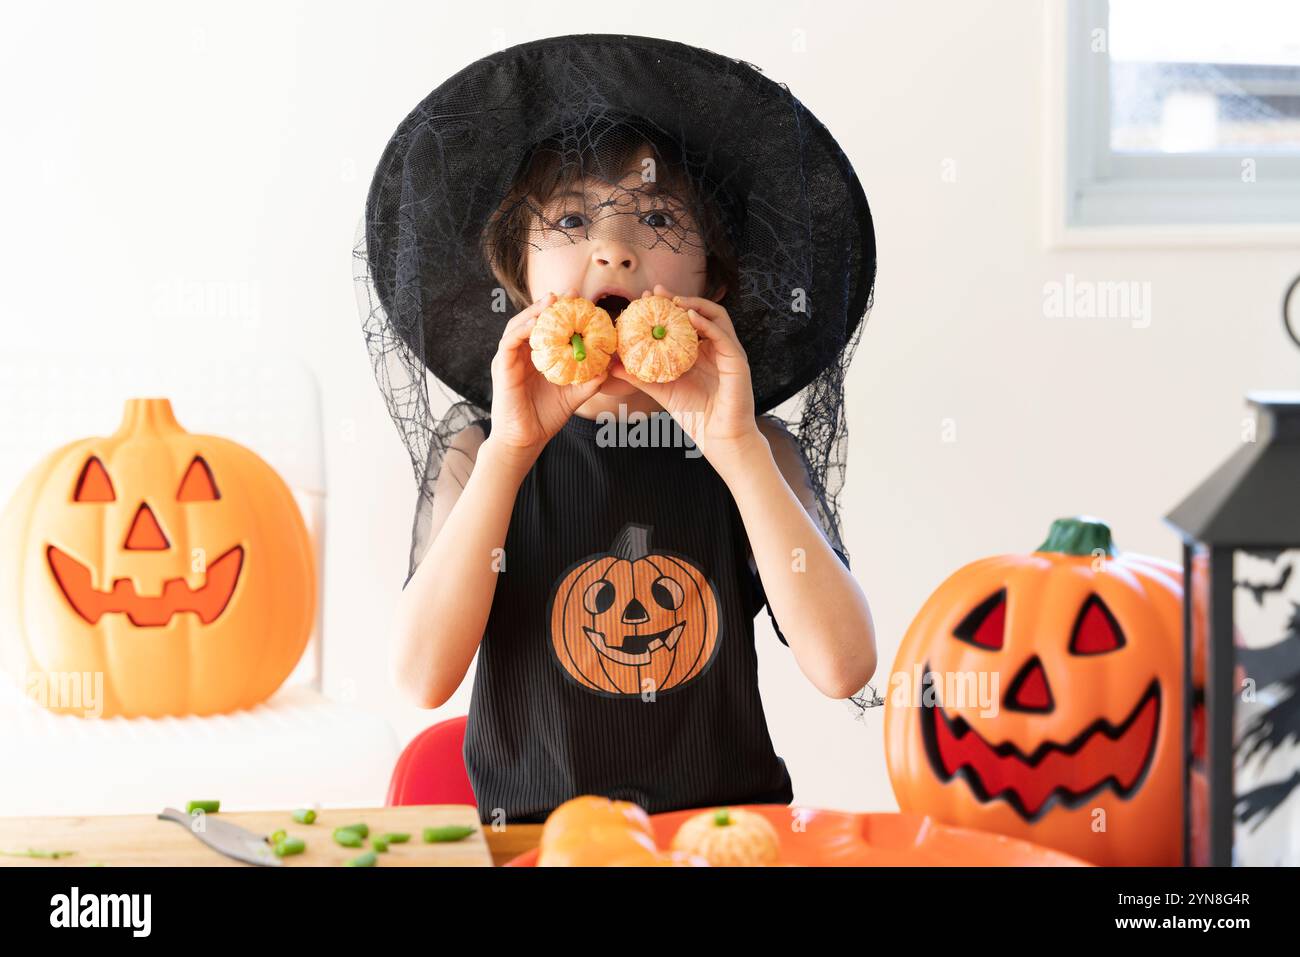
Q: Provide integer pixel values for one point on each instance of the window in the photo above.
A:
(1181, 113)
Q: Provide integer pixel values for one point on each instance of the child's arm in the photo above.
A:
(443, 611)
(823, 612)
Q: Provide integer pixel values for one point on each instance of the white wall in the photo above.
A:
(149, 148)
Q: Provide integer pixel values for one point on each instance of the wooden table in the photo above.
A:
(512, 841)
(145, 840)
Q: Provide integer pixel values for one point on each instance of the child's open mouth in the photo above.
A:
(613, 305)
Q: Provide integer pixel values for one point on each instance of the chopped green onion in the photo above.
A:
(379, 844)
(36, 852)
(347, 837)
(448, 832)
(290, 845)
(367, 859)
(207, 807)
(278, 836)
(304, 815)
(362, 829)
(397, 837)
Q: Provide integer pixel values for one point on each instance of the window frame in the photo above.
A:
(1097, 198)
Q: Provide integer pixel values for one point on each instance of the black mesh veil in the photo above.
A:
(663, 146)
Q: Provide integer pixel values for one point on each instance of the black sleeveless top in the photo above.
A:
(619, 653)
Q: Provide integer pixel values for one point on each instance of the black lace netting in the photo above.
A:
(698, 154)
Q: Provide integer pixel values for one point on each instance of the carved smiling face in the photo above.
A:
(632, 620)
(178, 566)
(1075, 740)
(628, 631)
(208, 600)
(1076, 758)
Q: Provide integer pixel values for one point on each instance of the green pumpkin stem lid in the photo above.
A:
(1081, 535)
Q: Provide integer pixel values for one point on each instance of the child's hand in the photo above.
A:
(714, 400)
(527, 410)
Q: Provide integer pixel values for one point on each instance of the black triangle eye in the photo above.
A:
(1095, 630)
(984, 627)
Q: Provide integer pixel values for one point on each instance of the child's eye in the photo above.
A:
(655, 219)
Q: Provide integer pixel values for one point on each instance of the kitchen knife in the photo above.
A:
(226, 838)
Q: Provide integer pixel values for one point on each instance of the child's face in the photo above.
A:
(618, 253)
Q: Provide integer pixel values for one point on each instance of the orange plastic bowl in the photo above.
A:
(815, 838)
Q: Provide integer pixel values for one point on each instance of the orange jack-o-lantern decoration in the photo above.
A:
(1040, 696)
(633, 620)
(175, 566)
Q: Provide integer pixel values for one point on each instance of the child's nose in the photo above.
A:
(613, 253)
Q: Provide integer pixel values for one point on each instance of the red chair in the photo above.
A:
(431, 769)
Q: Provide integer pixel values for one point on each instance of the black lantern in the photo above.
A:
(1241, 627)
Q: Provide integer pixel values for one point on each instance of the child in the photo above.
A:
(609, 587)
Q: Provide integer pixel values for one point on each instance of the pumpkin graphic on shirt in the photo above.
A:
(634, 620)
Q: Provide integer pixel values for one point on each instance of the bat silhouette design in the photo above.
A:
(1259, 589)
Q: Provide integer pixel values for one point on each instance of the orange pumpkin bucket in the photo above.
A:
(1040, 696)
(175, 567)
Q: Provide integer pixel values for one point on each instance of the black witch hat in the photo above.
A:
(741, 173)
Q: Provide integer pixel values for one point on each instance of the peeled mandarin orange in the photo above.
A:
(656, 340)
(572, 341)
(596, 847)
(730, 837)
(586, 812)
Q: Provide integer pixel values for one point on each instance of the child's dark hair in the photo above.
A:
(554, 165)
